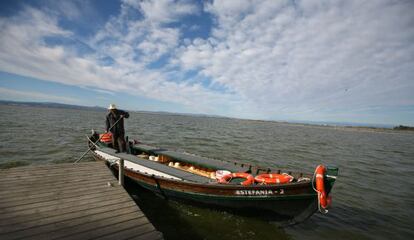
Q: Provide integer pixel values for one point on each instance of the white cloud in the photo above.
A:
(70, 9)
(276, 59)
(23, 51)
(163, 11)
(102, 91)
(295, 60)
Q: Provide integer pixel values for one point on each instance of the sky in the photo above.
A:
(310, 60)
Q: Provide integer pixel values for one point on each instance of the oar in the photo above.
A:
(98, 140)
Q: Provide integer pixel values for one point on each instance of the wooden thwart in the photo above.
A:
(68, 201)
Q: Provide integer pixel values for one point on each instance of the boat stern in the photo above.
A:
(330, 177)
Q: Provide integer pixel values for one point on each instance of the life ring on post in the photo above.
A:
(323, 199)
(228, 177)
(274, 178)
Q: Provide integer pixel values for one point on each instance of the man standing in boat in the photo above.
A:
(115, 124)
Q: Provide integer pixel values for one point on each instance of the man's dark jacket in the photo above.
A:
(111, 119)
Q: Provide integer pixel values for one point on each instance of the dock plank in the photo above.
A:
(68, 201)
(17, 206)
(57, 195)
(64, 201)
(59, 226)
(91, 226)
(155, 235)
(55, 211)
(69, 217)
(115, 230)
(54, 207)
(127, 234)
(62, 177)
(34, 191)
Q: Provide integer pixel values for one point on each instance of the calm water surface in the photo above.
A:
(373, 197)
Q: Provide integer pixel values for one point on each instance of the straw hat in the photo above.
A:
(111, 106)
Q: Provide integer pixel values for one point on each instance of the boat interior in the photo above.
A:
(189, 167)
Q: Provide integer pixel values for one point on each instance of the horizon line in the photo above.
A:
(306, 122)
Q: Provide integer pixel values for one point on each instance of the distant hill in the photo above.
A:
(69, 106)
(405, 128)
(181, 114)
(50, 105)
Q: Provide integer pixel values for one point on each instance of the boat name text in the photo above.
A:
(259, 192)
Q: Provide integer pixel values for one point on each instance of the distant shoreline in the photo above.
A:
(399, 128)
(50, 105)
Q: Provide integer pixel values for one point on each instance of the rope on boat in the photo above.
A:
(159, 187)
(112, 162)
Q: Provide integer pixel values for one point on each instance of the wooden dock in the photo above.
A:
(68, 201)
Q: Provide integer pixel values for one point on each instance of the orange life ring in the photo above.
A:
(227, 178)
(324, 200)
(106, 137)
(274, 178)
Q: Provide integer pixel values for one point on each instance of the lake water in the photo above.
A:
(373, 197)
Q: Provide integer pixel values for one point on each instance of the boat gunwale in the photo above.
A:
(216, 184)
(211, 184)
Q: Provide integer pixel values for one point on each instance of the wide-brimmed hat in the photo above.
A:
(111, 106)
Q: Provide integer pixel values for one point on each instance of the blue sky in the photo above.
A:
(335, 61)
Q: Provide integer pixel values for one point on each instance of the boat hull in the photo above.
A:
(269, 208)
(272, 202)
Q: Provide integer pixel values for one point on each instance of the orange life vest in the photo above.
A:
(106, 137)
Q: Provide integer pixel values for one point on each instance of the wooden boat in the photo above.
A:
(195, 179)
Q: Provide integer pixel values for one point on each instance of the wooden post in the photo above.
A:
(121, 172)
